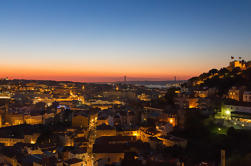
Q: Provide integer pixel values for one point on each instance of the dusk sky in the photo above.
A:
(103, 40)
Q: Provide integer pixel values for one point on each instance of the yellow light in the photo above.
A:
(228, 112)
(171, 120)
(135, 134)
(219, 129)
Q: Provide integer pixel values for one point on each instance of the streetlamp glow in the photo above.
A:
(228, 112)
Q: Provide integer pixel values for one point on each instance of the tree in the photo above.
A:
(236, 70)
(170, 95)
(213, 71)
(223, 71)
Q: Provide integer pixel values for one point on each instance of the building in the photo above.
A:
(79, 153)
(193, 102)
(14, 119)
(170, 141)
(235, 93)
(169, 117)
(144, 97)
(108, 154)
(80, 121)
(201, 93)
(105, 130)
(33, 119)
(235, 114)
(237, 63)
(247, 96)
(74, 162)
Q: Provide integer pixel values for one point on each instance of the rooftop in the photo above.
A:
(73, 161)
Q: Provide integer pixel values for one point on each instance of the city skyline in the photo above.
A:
(104, 40)
(125, 82)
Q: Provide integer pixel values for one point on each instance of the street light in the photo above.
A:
(228, 112)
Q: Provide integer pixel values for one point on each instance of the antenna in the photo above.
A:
(125, 78)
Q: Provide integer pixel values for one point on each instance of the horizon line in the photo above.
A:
(118, 81)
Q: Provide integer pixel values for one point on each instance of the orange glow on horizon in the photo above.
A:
(87, 74)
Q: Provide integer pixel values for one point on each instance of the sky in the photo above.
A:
(103, 40)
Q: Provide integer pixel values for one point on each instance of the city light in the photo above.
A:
(135, 134)
(171, 120)
(125, 83)
(228, 112)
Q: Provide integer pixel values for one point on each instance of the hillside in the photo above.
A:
(223, 79)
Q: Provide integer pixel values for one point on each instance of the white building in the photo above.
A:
(238, 116)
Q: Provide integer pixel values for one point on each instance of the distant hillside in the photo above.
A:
(223, 79)
(152, 82)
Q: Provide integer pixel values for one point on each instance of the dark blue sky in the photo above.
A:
(141, 38)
